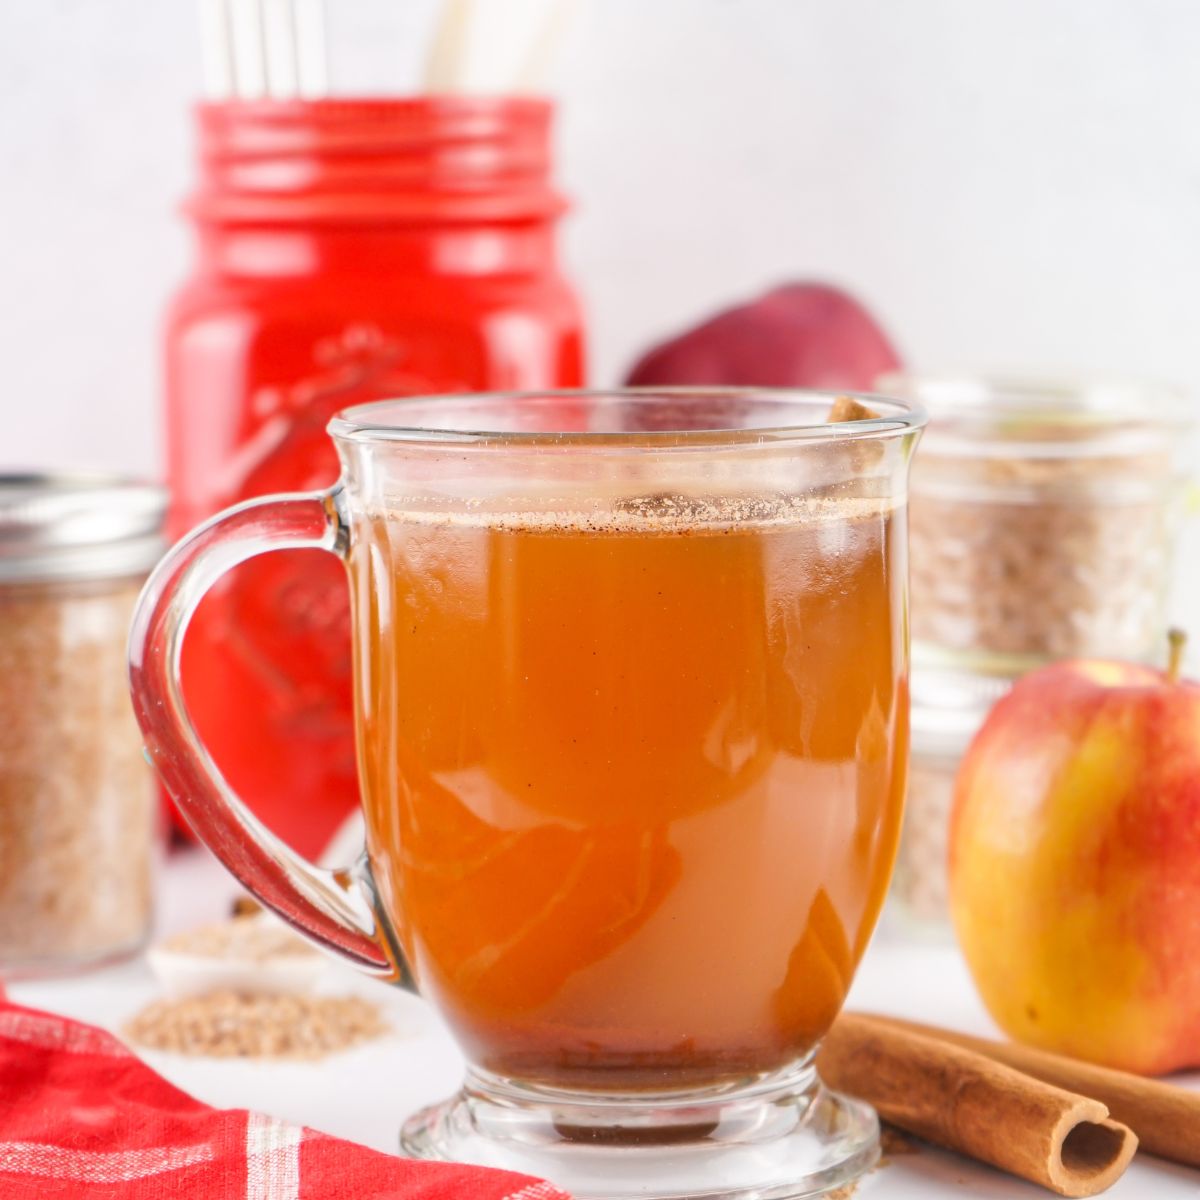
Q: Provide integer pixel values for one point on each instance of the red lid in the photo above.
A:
(412, 160)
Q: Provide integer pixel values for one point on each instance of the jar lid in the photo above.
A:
(388, 159)
(1043, 417)
(78, 526)
(948, 707)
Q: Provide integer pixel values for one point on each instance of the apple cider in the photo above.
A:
(633, 779)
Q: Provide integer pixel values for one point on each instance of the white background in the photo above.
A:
(1006, 182)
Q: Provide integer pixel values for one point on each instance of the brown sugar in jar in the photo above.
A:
(78, 815)
(1042, 520)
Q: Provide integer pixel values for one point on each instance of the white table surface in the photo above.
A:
(364, 1094)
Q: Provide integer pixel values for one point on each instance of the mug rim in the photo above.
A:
(361, 423)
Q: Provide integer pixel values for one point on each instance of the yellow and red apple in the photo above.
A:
(1075, 864)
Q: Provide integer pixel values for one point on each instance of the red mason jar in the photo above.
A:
(349, 250)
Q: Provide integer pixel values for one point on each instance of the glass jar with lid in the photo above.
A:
(1043, 519)
(78, 810)
(348, 249)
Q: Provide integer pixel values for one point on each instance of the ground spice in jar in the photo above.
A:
(1042, 559)
(1042, 520)
(920, 881)
(78, 811)
(946, 714)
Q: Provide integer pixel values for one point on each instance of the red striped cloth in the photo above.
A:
(81, 1117)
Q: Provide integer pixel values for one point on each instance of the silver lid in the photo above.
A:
(948, 707)
(78, 526)
(998, 416)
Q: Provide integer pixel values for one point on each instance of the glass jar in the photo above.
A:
(1043, 520)
(349, 250)
(947, 712)
(78, 816)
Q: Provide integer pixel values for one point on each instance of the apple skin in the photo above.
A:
(797, 335)
(1075, 864)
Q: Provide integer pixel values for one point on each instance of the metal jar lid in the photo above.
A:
(78, 526)
(1013, 439)
(948, 708)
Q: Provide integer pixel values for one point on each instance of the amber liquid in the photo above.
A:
(633, 789)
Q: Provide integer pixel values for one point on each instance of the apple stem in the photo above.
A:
(1177, 640)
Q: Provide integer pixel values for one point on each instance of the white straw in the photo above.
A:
(445, 68)
(279, 38)
(249, 52)
(535, 69)
(312, 62)
(216, 49)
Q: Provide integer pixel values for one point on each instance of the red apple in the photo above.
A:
(798, 335)
(1075, 863)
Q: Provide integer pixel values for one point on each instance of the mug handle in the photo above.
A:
(337, 909)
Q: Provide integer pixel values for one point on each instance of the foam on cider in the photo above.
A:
(669, 514)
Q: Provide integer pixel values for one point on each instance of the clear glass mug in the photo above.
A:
(632, 721)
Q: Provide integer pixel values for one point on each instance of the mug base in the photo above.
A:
(778, 1137)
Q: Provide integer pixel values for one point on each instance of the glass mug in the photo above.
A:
(632, 722)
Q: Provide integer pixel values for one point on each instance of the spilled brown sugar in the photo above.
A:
(227, 1024)
(252, 939)
(892, 1144)
(245, 906)
(844, 1192)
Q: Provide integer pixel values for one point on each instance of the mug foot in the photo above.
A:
(780, 1137)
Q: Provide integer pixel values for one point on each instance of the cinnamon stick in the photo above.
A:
(965, 1101)
(1165, 1118)
(847, 408)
